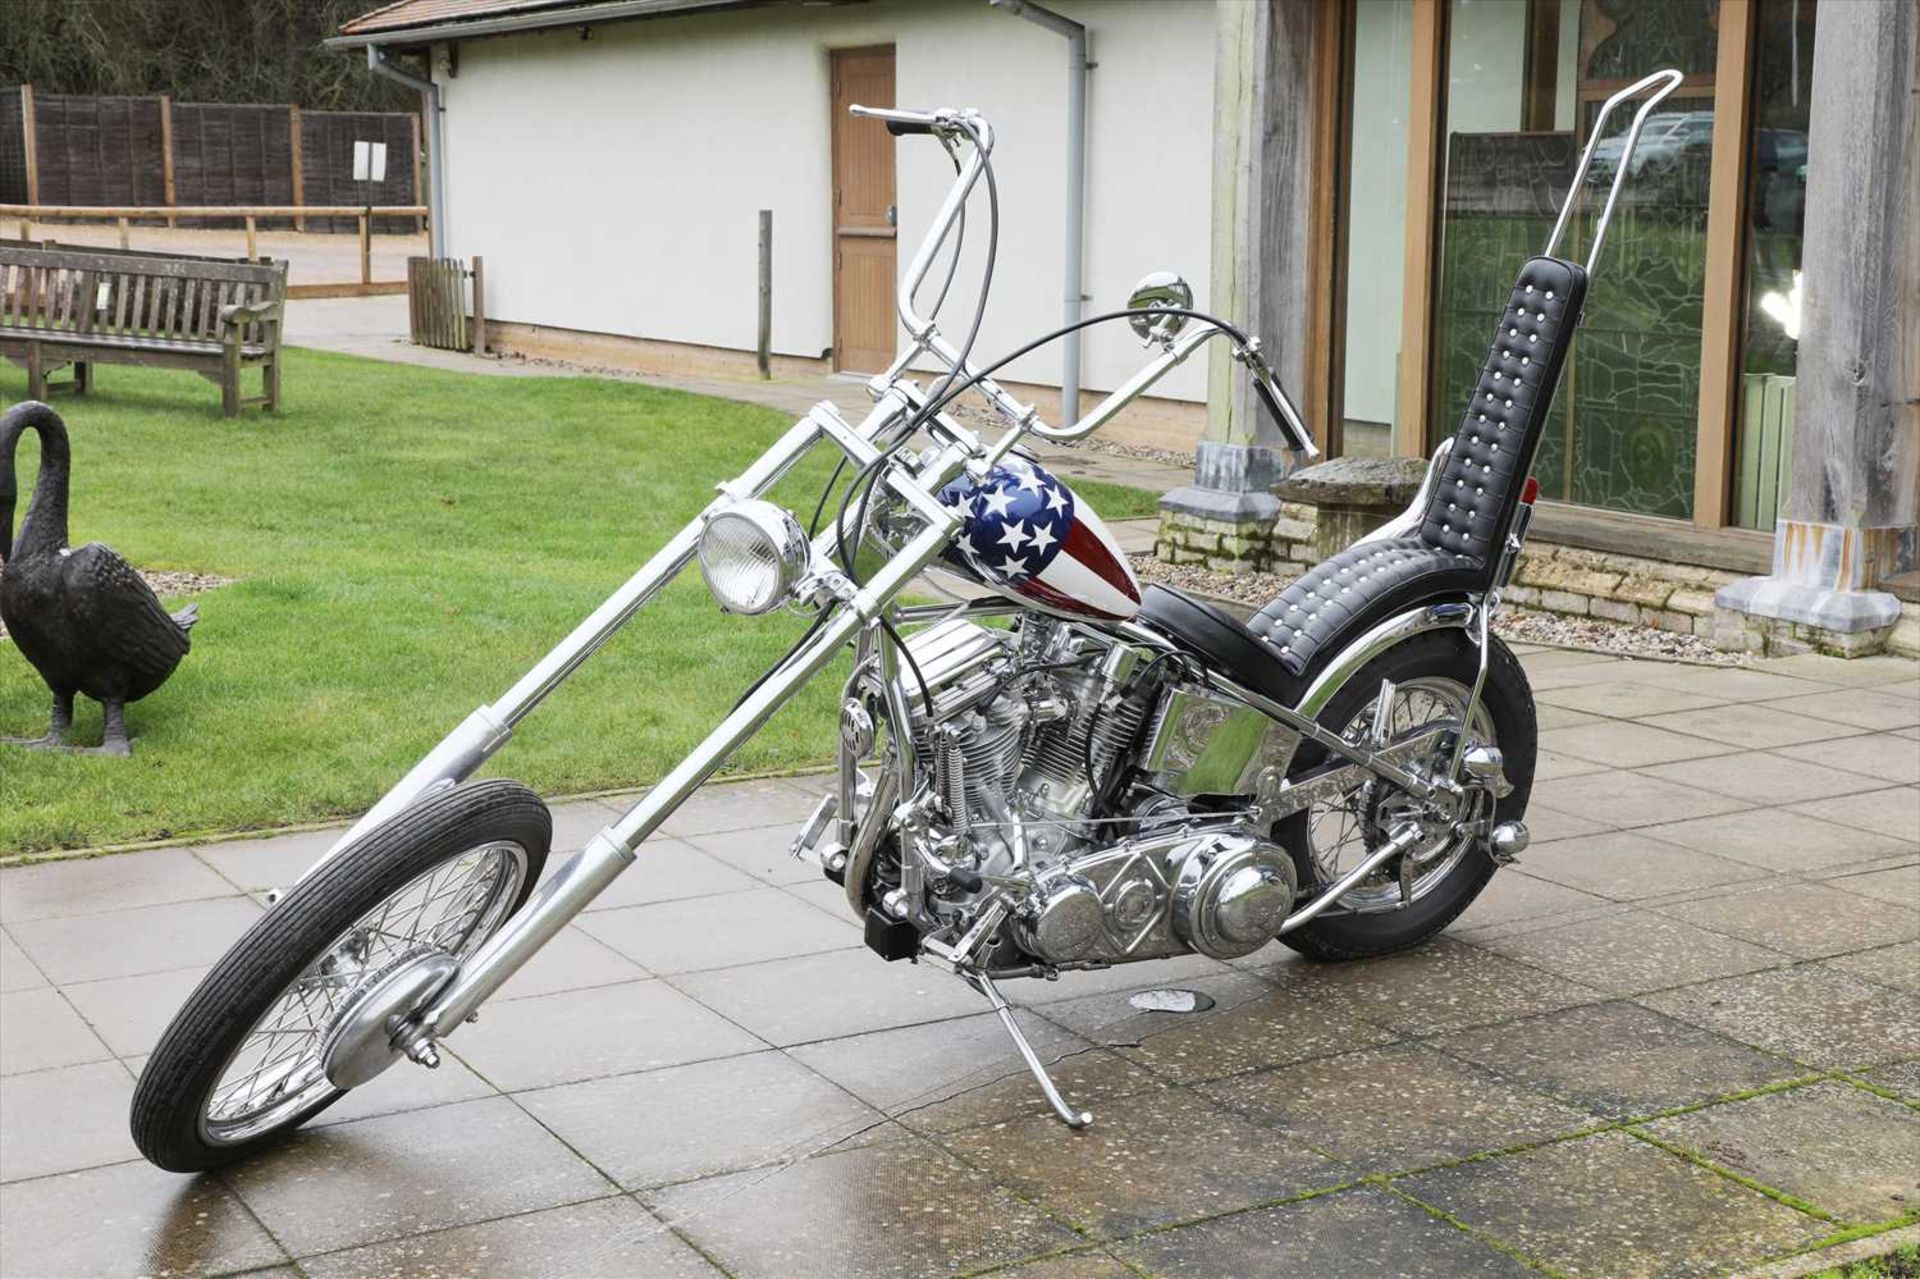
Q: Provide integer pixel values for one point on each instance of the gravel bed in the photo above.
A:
(1518, 624)
(167, 583)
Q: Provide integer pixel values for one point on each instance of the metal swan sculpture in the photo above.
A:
(82, 616)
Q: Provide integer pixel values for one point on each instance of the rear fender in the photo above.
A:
(1353, 655)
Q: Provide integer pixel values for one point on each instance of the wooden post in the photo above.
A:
(479, 305)
(26, 230)
(366, 248)
(1856, 443)
(27, 132)
(1720, 325)
(764, 347)
(419, 196)
(1425, 111)
(299, 177)
(1852, 512)
(166, 154)
(253, 248)
(123, 234)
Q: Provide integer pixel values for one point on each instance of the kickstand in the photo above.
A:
(1068, 1115)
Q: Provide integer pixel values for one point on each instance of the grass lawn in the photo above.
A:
(405, 543)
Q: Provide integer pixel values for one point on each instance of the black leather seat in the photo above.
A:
(1455, 550)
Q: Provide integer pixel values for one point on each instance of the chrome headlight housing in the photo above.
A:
(752, 554)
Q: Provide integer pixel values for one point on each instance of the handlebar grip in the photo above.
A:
(1289, 427)
(900, 128)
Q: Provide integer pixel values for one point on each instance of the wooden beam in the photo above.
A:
(1720, 312)
(763, 345)
(27, 132)
(1326, 95)
(299, 164)
(1425, 115)
(166, 155)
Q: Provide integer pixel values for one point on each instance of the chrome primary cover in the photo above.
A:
(1223, 893)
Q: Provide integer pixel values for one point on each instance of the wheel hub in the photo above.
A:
(361, 1042)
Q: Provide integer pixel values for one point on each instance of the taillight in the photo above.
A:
(1529, 491)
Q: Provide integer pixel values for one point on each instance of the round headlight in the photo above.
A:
(751, 554)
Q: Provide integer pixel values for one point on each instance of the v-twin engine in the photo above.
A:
(1062, 773)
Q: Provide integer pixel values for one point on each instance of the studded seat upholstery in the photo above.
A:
(1453, 552)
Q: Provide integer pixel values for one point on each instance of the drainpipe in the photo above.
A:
(1077, 68)
(379, 64)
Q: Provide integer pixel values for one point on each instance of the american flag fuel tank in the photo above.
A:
(1024, 533)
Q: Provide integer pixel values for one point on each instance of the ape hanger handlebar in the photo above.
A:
(953, 126)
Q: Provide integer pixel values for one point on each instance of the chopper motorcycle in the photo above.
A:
(1060, 771)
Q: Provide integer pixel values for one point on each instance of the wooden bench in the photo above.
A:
(214, 316)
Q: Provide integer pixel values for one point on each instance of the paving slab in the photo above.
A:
(39, 1030)
(17, 972)
(1630, 865)
(1902, 1077)
(1752, 725)
(1363, 1231)
(1894, 812)
(602, 1239)
(1778, 839)
(1633, 952)
(1402, 1106)
(1838, 1147)
(588, 1034)
(270, 861)
(1856, 672)
(1614, 1206)
(65, 1119)
(1167, 1156)
(844, 992)
(1092, 1264)
(1887, 756)
(1896, 966)
(1623, 799)
(397, 1175)
(1450, 985)
(1626, 744)
(145, 939)
(719, 932)
(1896, 884)
(1514, 897)
(1760, 777)
(1619, 1059)
(688, 1122)
(963, 1073)
(717, 809)
(1824, 1019)
(573, 960)
(90, 885)
(129, 1218)
(130, 1013)
(894, 1210)
(1886, 707)
(670, 870)
(1805, 920)
(1625, 699)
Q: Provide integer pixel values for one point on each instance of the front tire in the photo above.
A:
(241, 1066)
(1434, 675)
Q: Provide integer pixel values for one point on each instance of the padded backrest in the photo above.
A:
(1500, 432)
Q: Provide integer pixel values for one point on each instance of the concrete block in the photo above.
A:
(1691, 602)
(1614, 610)
(1563, 602)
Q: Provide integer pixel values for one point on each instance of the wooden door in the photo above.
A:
(864, 320)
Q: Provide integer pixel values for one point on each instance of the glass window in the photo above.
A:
(1775, 213)
(1376, 231)
(1525, 79)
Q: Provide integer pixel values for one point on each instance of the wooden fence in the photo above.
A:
(66, 149)
(437, 303)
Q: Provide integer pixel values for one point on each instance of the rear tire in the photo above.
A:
(1436, 662)
(321, 944)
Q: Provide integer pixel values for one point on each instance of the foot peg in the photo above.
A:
(1068, 1115)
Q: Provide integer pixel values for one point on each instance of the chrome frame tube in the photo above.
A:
(1669, 80)
(1400, 843)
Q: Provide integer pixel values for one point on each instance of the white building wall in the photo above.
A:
(613, 184)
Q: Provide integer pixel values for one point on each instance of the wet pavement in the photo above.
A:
(1681, 1036)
